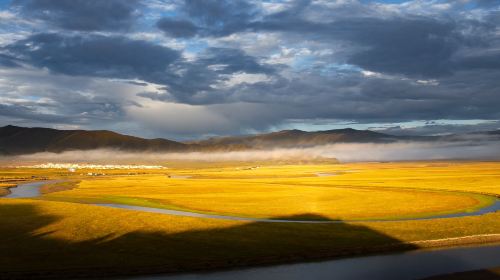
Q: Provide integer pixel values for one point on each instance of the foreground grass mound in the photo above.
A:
(58, 238)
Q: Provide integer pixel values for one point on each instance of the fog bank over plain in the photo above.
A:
(344, 152)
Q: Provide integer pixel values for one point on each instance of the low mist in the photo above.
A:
(355, 152)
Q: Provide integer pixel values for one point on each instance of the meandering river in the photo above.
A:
(30, 190)
(27, 190)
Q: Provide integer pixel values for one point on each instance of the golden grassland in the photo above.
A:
(357, 191)
(59, 186)
(243, 198)
(48, 233)
(43, 235)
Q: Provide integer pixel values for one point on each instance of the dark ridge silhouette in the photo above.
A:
(16, 140)
(297, 138)
(21, 140)
(33, 253)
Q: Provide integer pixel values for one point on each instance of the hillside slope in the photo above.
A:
(296, 139)
(16, 140)
(22, 140)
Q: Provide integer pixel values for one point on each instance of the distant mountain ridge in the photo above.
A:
(297, 139)
(15, 140)
(22, 140)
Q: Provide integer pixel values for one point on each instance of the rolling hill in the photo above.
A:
(16, 140)
(22, 140)
(296, 139)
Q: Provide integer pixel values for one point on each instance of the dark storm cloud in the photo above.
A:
(61, 100)
(214, 65)
(220, 17)
(486, 60)
(413, 46)
(401, 46)
(306, 60)
(177, 28)
(410, 45)
(210, 18)
(7, 61)
(85, 15)
(29, 113)
(95, 55)
(119, 57)
(466, 95)
(234, 60)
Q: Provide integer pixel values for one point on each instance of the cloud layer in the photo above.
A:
(188, 69)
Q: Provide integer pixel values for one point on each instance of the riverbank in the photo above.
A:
(59, 186)
(4, 189)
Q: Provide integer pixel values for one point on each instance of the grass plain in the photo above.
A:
(44, 234)
(345, 192)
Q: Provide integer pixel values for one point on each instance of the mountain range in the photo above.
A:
(15, 140)
(23, 140)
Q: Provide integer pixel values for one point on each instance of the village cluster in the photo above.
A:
(72, 167)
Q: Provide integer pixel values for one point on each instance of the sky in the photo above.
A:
(194, 69)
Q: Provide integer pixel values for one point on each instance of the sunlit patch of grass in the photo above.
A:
(355, 191)
(59, 186)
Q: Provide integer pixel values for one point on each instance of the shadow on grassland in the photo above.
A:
(27, 253)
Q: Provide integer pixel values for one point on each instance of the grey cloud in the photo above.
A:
(401, 46)
(467, 95)
(234, 60)
(101, 56)
(75, 108)
(28, 113)
(137, 83)
(195, 83)
(119, 57)
(485, 60)
(32, 97)
(177, 28)
(220, 17)
(443, 66)
(85, 15)
(487, 3)
(154, 96)
(410, 45)
(7, 61)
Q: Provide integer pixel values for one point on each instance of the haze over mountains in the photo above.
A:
(16, 140)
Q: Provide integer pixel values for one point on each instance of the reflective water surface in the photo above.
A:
(401, 266)
(27, 190)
